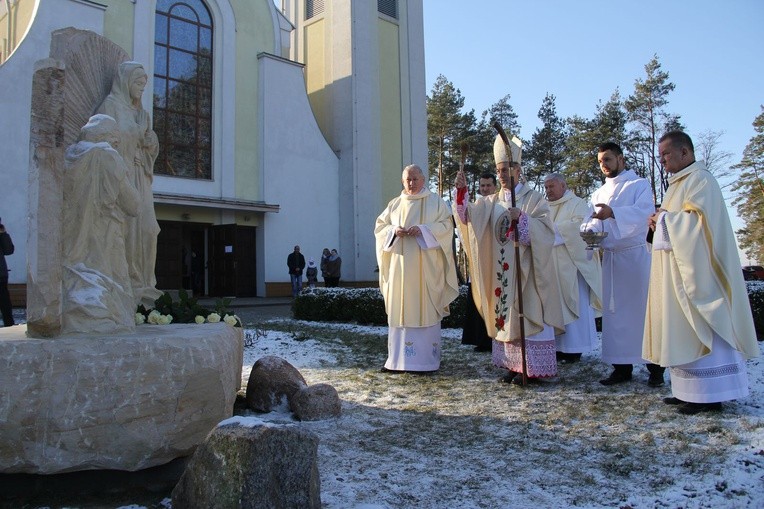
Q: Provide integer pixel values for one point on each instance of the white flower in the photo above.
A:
(199, 319)
(230, 320)
(164, 319)
(139, 318)
(213, 318)
(154, 317)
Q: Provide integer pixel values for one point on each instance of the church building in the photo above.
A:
(280, 124)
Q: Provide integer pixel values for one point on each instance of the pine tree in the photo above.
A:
(445, 126)
(750, 189)
(582, 172)
(546, 151)
(648, 116)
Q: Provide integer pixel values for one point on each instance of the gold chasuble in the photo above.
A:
(417, 282)
(491, 254)
(696, 288)
(568, 213)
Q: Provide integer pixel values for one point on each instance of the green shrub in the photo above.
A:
(360, 305)
(366, 306)
(756, 298)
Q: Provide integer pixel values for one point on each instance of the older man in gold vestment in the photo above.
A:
(579, 271)
(417, 276)
(698, 317)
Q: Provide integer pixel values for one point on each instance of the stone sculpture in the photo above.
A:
(105, 397)
(139, 147)
(98, 200)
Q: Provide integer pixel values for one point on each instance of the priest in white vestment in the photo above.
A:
(579, 270)
(698, 316)
(488, 239)
(622, 207)
(417, 275)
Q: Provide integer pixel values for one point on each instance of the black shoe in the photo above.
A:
(616, 377)
(390, 371)
(568, 358)
(507, 379)
(696, 408)
(655, 380)
(673, 401)
(529, 380)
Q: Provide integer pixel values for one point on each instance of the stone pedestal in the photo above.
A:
(123, 402)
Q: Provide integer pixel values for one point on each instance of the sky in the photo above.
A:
(582, 51)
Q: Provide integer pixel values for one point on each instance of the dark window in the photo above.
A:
(313, 8)
(183, 88)
(388, 8)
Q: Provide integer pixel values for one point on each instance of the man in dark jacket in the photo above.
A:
(6, 248)
(296, 264)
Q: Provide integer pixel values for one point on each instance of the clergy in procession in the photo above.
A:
(487, 233)
(417, 276)
(698, 316)
(622, 206)
(579, 271)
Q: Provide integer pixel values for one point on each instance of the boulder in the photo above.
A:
(272, 383)
(316, 403)
(246, 463)
(122, 401)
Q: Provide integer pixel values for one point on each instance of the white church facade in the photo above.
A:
(279, 124)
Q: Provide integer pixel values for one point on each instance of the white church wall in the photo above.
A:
(300, 172)
(15, 102)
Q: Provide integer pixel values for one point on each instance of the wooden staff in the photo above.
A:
(518, 270)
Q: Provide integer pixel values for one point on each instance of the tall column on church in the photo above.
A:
(365, 79)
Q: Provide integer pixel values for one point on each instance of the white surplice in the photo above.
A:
(625, 265)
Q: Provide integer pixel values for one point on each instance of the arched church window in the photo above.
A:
(183, 88)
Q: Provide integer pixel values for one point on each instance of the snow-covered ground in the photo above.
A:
(459, 438)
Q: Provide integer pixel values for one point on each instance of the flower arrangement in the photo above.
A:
(185, 310)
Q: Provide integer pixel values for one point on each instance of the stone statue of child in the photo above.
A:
(98, 200)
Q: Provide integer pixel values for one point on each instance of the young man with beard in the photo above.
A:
(622, 206)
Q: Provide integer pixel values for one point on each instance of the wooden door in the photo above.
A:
(169, 263)
(222, 260)
(246, 275)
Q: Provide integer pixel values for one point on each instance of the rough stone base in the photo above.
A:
(248, 464)
(122, 402)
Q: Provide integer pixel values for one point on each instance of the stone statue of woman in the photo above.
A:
(139, 147)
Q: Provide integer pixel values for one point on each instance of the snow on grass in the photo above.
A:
(459, 438)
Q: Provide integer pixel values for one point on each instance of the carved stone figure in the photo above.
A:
(139, 147)
(98, 200)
